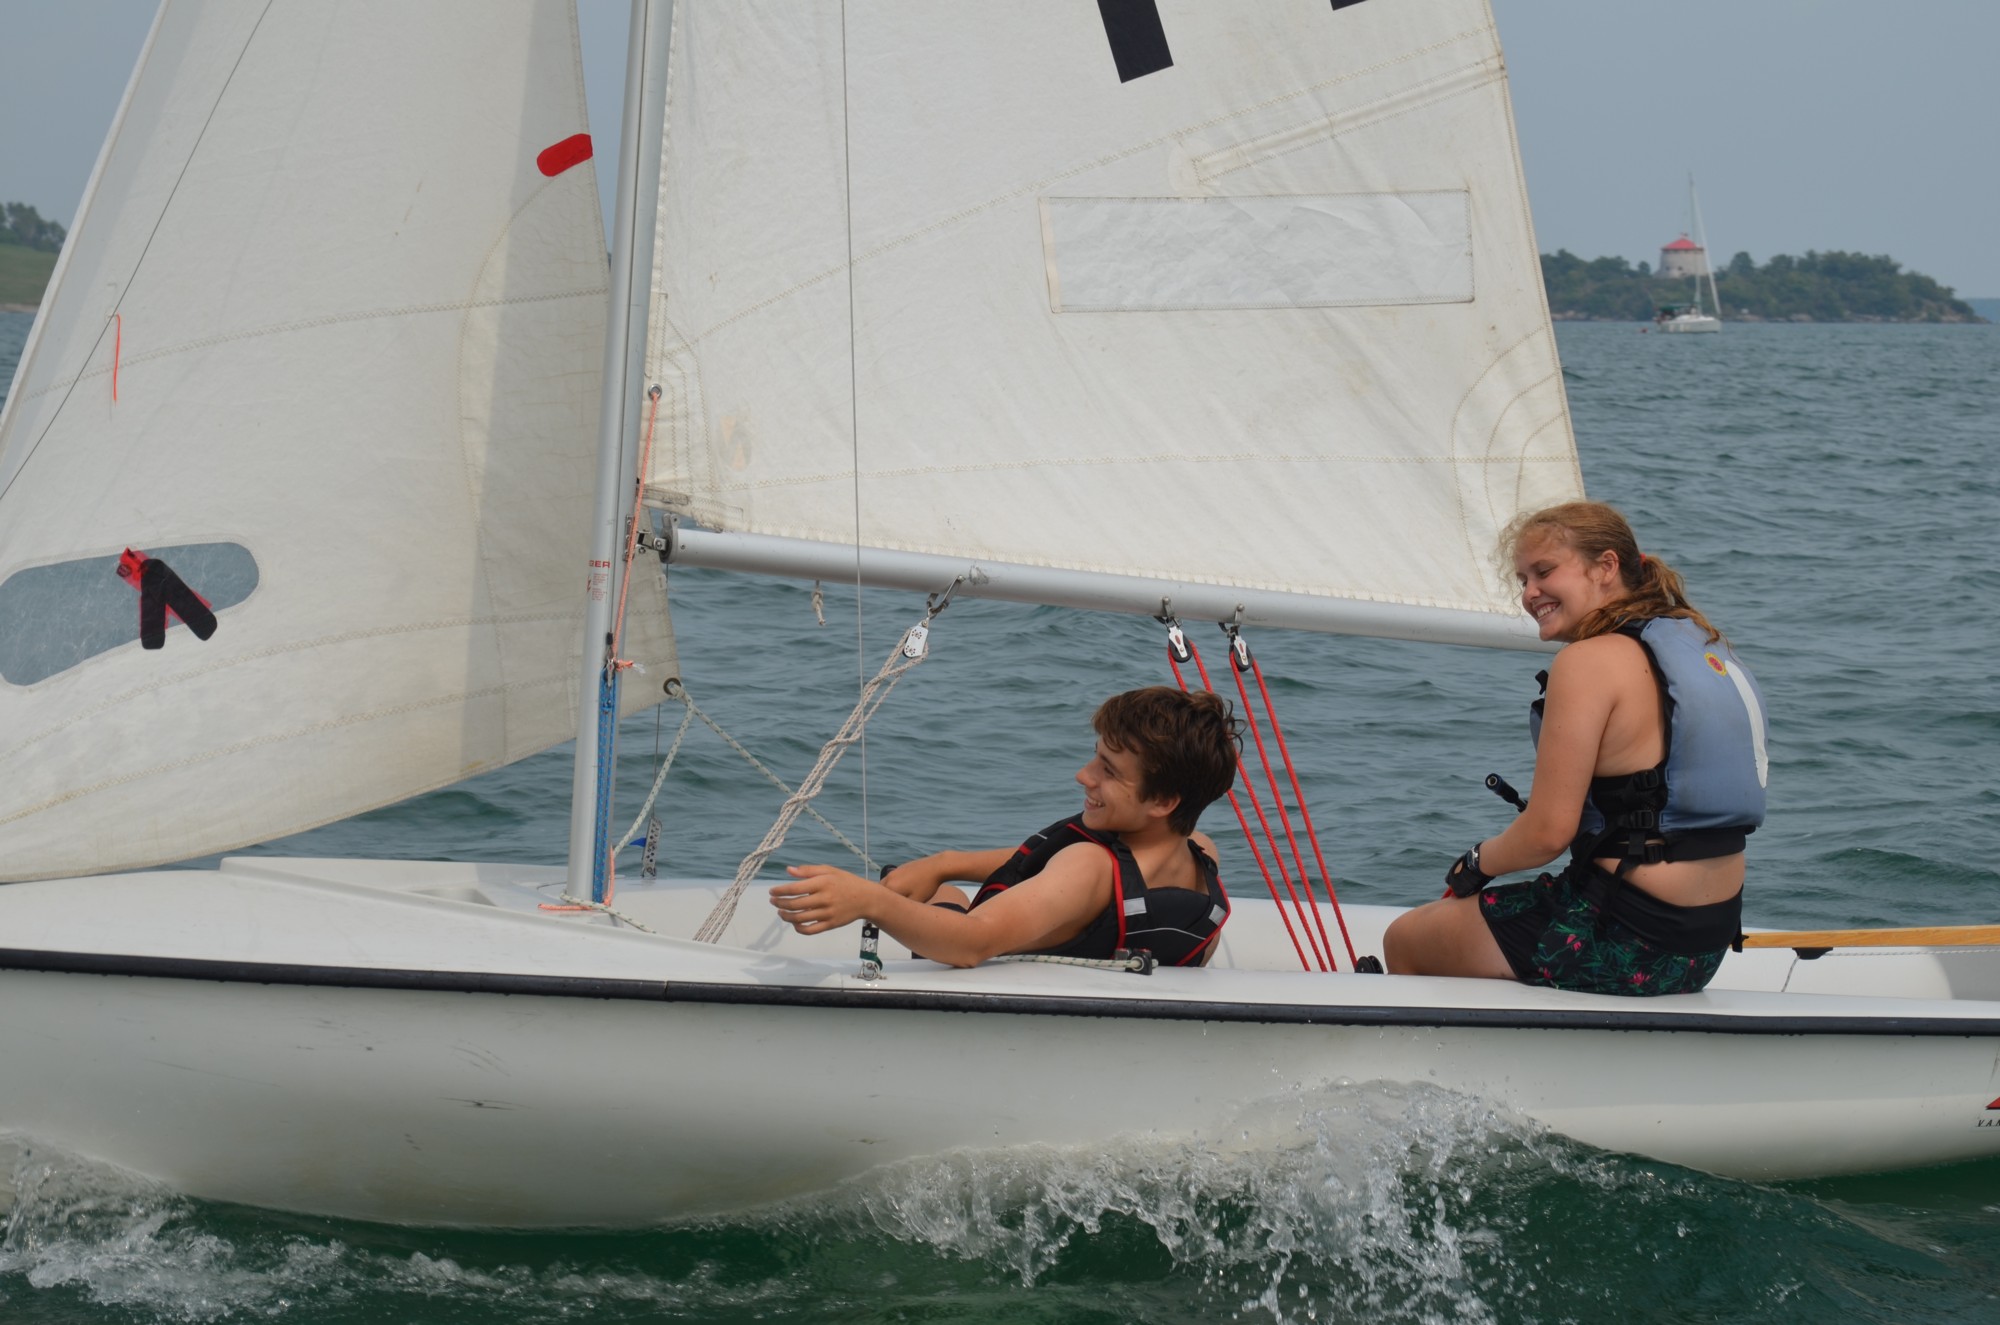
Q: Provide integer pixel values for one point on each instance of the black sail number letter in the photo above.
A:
(1138, 41)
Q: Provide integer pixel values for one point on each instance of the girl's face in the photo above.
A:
(1559, 588)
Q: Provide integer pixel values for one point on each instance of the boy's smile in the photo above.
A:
(1111, 799)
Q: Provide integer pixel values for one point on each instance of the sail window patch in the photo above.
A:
(1307, 251)
(54, 617)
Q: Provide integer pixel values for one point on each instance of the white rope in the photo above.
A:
(646, 810)
(781, 785)
(580, 904)
(1139, 963)
(910, 650)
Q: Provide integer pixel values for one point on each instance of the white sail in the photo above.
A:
(326, 341)
(932, 279)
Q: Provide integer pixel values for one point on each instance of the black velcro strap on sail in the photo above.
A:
(161, 591)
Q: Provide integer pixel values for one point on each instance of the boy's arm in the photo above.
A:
(1059, 901)
(919, 880)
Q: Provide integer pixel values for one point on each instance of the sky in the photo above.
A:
(1808, 124)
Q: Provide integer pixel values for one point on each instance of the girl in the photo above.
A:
(1650, 768)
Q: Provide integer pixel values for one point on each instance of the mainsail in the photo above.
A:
(1236, 293)
(325, 343)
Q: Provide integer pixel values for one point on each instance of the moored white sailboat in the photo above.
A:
(1696, 317)
(945, 326)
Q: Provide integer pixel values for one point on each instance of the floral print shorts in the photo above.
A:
(1559, 930)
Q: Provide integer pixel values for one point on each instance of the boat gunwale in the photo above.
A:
(1644, 1017)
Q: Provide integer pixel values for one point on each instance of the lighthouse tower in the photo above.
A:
(1683, 257)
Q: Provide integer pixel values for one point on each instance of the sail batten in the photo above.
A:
(940, 280)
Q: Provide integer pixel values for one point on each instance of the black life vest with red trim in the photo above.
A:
(1178, 926)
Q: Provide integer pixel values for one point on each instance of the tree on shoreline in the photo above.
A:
(1819, 287)
(23, 225)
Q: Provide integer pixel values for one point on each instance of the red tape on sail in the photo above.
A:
(558, 157)
(162, 592)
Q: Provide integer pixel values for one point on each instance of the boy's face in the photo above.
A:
(1111, 799)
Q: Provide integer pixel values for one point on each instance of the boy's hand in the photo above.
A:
(822, 897)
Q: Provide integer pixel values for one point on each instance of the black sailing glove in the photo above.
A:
(1465, 878)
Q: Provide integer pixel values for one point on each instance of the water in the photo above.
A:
(1829, 492)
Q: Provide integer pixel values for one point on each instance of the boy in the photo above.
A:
(1127, 873)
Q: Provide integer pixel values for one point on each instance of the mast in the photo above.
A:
(624, 349)
(1707, 258)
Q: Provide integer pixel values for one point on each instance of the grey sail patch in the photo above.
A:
(56, 616)
(1306, 251)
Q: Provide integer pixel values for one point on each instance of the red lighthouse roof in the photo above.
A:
(1681, 245)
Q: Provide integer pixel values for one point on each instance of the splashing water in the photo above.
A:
(1389, 1204)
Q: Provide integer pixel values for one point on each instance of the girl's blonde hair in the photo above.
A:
(1652, 588)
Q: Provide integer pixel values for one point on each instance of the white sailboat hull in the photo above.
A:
(564, 1072)
(1690, 323)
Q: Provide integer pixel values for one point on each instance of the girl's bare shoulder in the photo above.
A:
(1610, 651)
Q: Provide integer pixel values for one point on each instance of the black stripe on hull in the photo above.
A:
(1639, 1017)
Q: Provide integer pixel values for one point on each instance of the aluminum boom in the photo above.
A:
(805, 559)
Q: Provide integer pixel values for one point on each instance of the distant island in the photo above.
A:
(1819, 287)
(28, 247)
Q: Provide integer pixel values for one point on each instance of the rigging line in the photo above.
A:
(1325, 959)
(1239, 656)
(632, 526)
(615, 663)
(1299, 798)
(118, 305)
(1242, 821)
(854, 417)
(660, 778)
(871, 933)
(780, 784)
(910, 650)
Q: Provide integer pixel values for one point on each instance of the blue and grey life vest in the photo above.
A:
(1708, 793)
(1178, 926)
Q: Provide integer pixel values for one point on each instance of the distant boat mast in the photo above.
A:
(1708, 263)
(1689, 257)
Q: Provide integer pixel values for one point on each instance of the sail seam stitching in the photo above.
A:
(1472, 77)
(278, 651)
(318, 728)
(125, 286)
(329, 320)
(1473, 554)
(1035, 187)
(469, 446)
(1071, 462)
